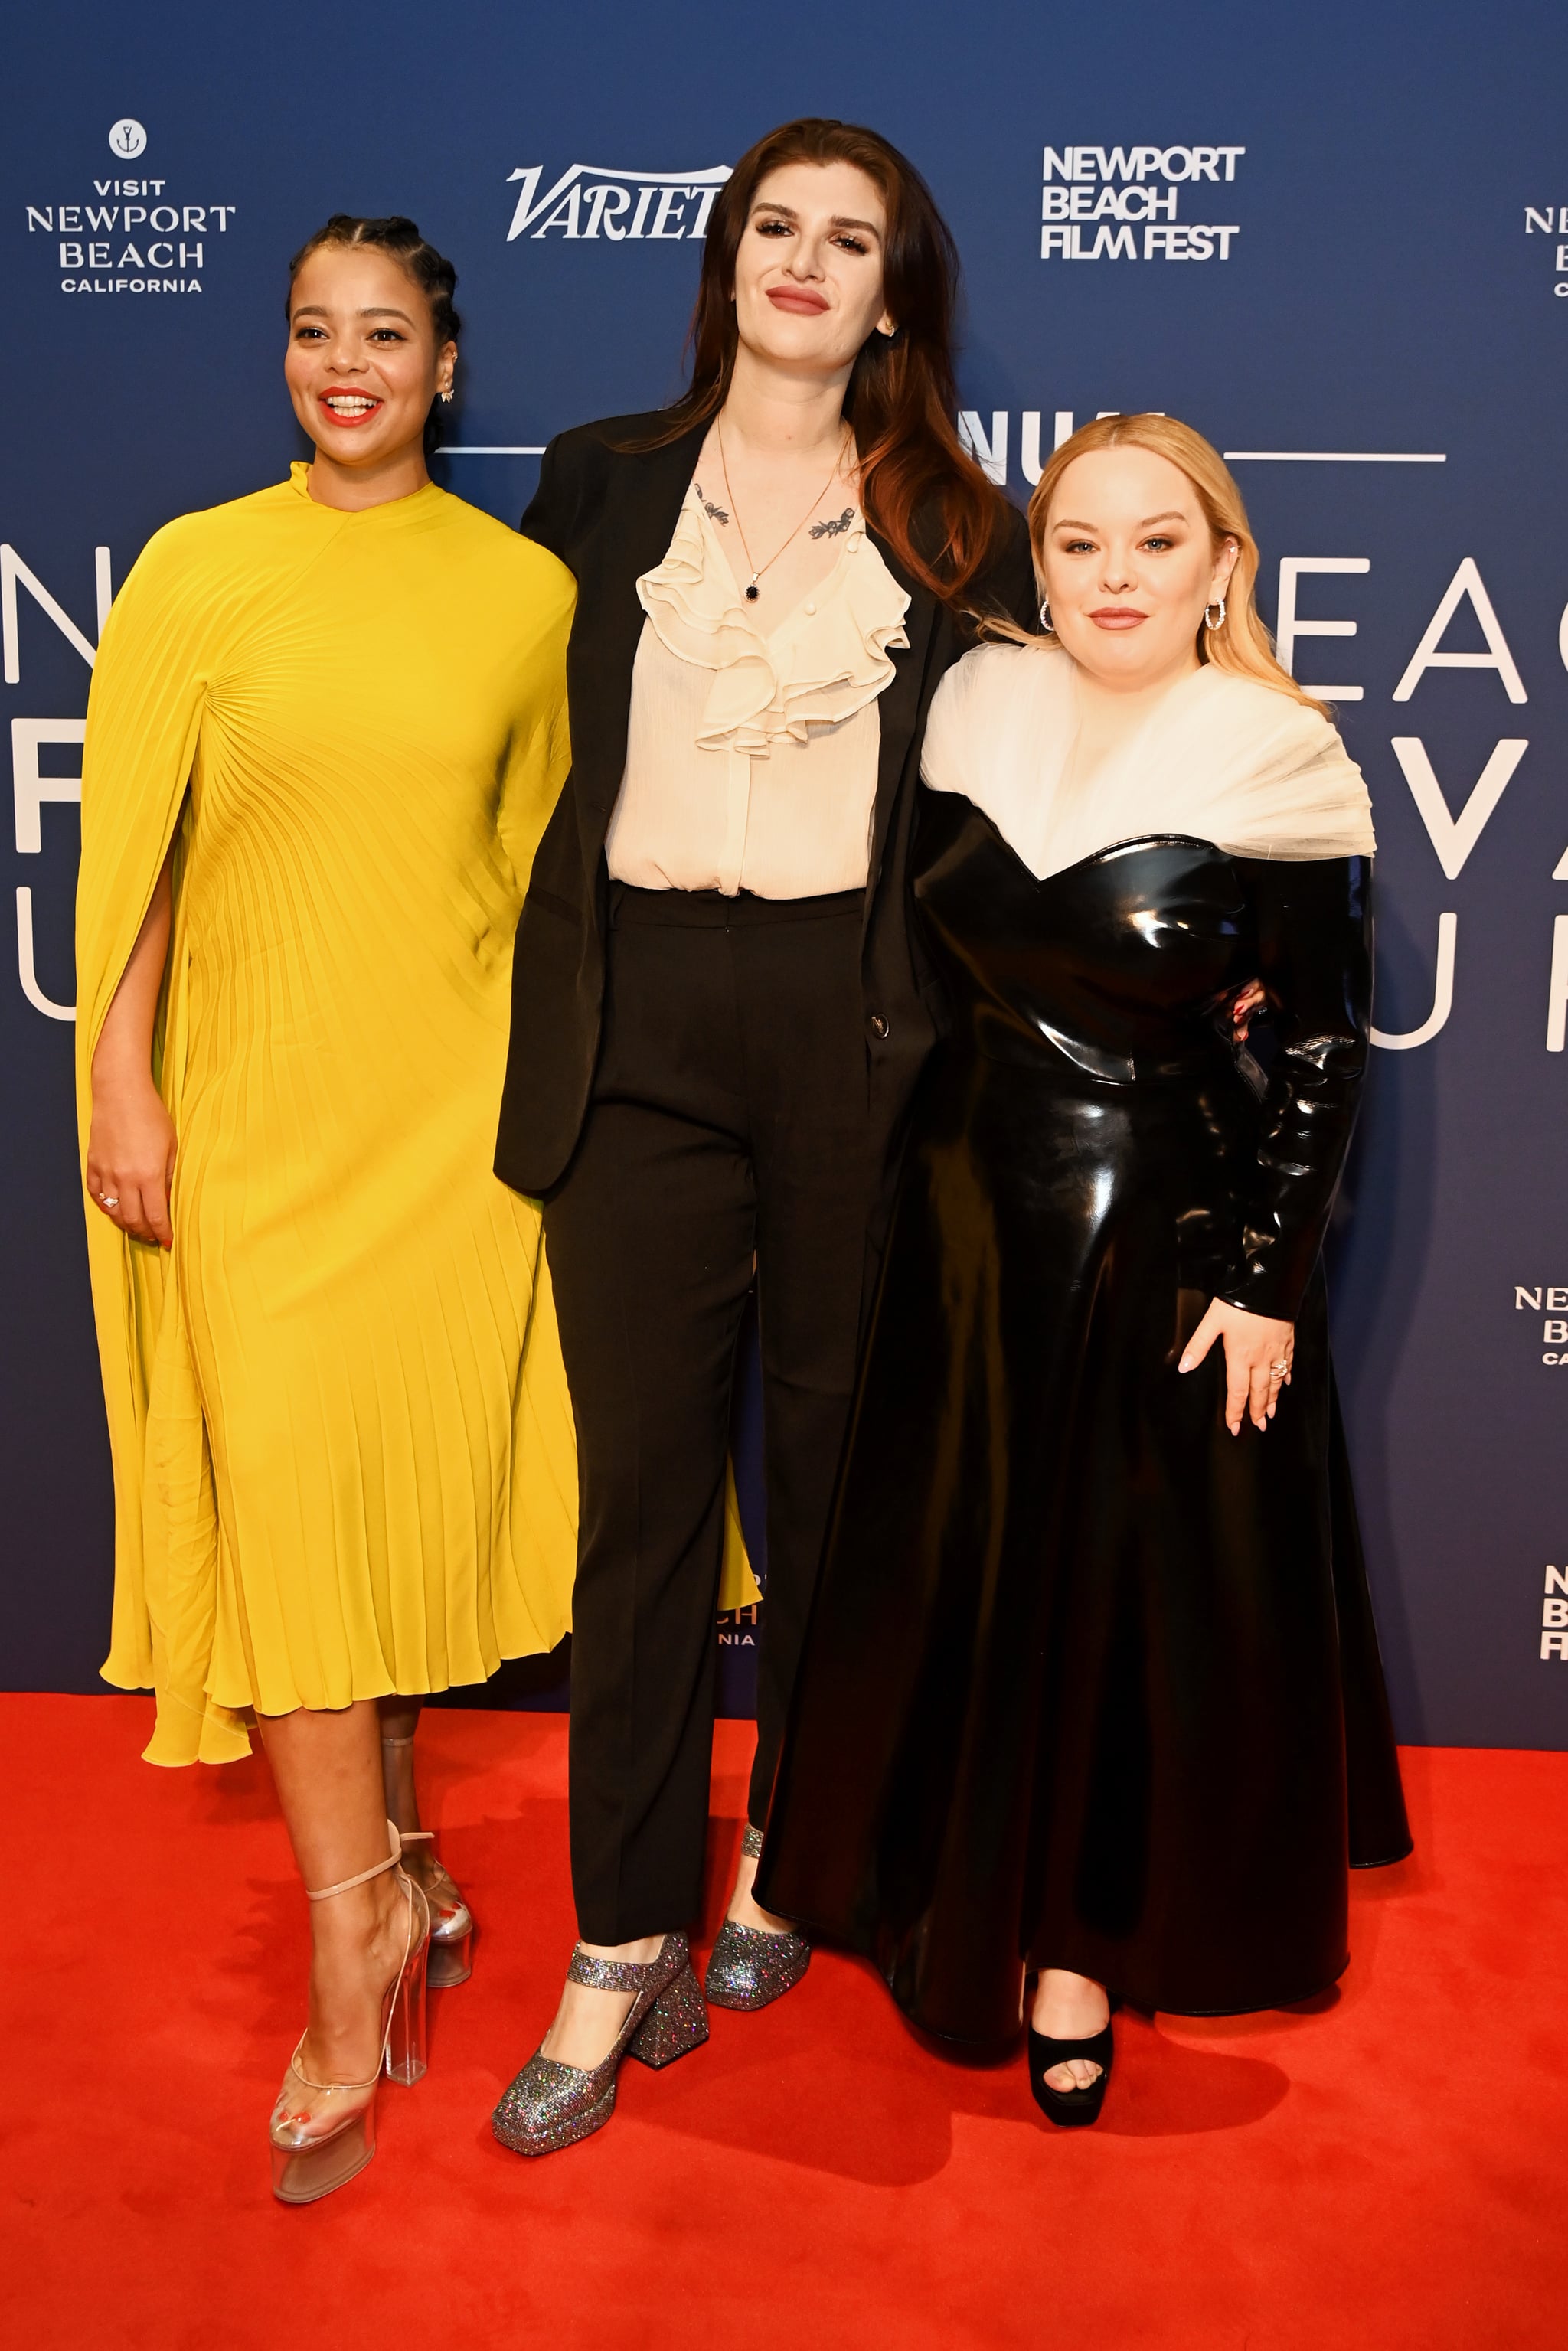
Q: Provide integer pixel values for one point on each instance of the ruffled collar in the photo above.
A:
(823, 662)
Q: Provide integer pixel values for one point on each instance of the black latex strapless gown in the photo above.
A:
(1091, 1683)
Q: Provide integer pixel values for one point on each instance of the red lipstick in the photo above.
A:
(348, 416)
(797, 298)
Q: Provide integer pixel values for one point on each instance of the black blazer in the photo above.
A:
(610, 516)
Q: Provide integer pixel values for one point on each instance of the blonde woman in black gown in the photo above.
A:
(1092, 1687)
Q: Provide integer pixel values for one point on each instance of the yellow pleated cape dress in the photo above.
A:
(344, 1461)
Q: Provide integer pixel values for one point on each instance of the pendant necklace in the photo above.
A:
(752, 591)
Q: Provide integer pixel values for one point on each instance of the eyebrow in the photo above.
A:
(1171, 514)
(320, 311)
(840, 220)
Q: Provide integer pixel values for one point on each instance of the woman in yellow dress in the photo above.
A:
(326, 730)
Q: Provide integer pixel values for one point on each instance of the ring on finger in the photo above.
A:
(109, 1199)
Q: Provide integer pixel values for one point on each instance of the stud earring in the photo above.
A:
(1220, 623)
(447, 396)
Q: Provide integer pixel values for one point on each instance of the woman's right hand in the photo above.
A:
(131, 1158)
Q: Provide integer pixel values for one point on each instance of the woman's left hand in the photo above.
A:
(1258, 1357)
(1252, 998)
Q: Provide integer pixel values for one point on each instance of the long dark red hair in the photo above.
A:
(919, 487)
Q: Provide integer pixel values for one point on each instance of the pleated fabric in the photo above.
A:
(343, 1448)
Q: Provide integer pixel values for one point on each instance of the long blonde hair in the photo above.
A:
(1241, 643)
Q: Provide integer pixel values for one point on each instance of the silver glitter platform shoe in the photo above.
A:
(748, 1967)
(551, 2105)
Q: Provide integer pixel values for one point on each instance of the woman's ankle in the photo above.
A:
(638, 1954)
(397, 1782)
(589, 2020)
(358, 1925)
(745, 1910)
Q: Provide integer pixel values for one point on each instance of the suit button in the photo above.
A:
(878, 1026)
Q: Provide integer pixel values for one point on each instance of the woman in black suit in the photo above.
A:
(720, 1009)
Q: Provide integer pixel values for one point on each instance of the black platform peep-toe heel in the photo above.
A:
(1069, 2107)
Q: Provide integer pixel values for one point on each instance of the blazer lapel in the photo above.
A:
(898, 706)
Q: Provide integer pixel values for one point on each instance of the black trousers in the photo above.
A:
(728, 1117)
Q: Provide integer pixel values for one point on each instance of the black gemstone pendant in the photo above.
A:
(753, 592)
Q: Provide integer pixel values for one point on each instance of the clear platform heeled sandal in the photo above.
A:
(451, 1959)
(324, 2133)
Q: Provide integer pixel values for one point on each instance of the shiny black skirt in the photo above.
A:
(1090, 1682)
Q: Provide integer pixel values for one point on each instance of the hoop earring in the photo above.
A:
(1212, 625)
(1045, 615)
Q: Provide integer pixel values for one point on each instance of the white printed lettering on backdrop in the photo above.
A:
(1454, 833)
(1554, 1608)
(1121, 203)
(1552, 221)
(127, 238)
(30, 787)
(596, 201)
(1528, 1298)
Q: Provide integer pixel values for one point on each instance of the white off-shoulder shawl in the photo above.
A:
(1220, 759)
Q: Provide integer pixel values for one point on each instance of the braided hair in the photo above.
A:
(395, 235)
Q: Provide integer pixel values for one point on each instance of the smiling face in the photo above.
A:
(363, 364)
(1129, 564)
(808, 270)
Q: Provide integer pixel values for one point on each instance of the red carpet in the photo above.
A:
(1385, 2170)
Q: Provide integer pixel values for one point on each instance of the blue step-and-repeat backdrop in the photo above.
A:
(1335, 238)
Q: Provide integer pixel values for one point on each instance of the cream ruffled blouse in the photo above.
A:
(751, 759)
